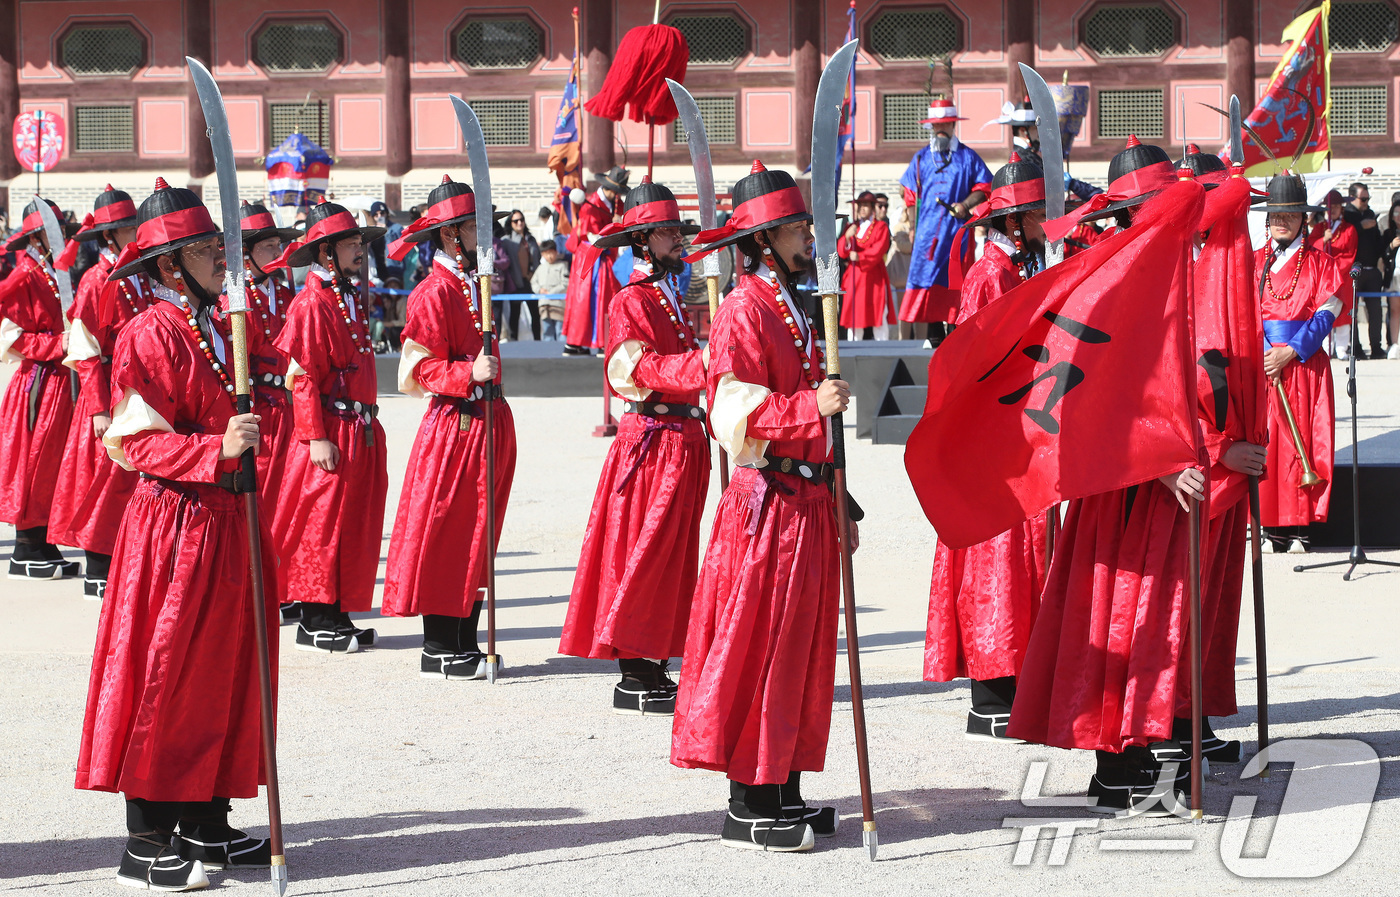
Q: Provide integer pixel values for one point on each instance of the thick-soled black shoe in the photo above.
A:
(638, 697)
(291, 611)
(331, 641)
(1135, 783)
(94, 589)
(824, 821)
(52, 554)
(152, 865)
(365, 637)
(35, 569)
(753, 832)
(223, 847)
(663, 677)
(1214, 749)
(989, 727)
(447, 665)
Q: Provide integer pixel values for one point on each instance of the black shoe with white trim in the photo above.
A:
(332, 641)
(40, 569)
(291, 611)
(753, 832)
(643, 697)
(448, 665)
(1138, 783)
(1214, 749)
(989, 727)
(150, 864)
(94, 589)
(226, 849)
(823, 820)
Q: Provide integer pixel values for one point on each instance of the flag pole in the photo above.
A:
(1194, 591)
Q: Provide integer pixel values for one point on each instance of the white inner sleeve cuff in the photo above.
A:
(413, 353)
(1334, 305)
(10, 332)
(82, 345)
(734, 401)
(621, 364)
(294, 371)
(132, 416)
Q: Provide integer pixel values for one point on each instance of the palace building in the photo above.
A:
(369, 80)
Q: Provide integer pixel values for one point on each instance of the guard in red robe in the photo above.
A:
(438, 552)
(760, 655)
(1336, 237)
(38, 404)
(983, 599)
(331, 518)
(1300, 307)
(172, 716)
(92, 489)
(1100, 667)
(591, 279)
(867, 302)
(636, 574)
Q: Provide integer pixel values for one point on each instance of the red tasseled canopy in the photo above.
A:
(636, 81)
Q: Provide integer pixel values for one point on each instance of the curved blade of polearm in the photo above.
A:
(475, 143)
(54, 234)
(211, 101)
(826, 127)
(1051, 154)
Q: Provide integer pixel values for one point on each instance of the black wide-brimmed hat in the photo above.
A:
(31, 223)
(1018, 186)
(168, 219)
(648, 207)
(1208, 168)
(614, 178)
(111, 210)
(1288, 192)
(450, 202)
(762, 199)
(327, 222)
(258, 224)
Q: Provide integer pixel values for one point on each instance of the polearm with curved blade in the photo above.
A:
(1256, 539)
(216, 121)
(826, 124)
(1047, 122)
(54, 234)
(475, 143)
(699, 145)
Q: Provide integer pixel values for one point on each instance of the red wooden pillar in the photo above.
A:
(198, 44)
(807, 22)
(1020, 48)
(1240, 28)
(599, 153)
(398, 124)
(9, 91)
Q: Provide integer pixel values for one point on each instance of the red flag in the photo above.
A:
(1229, 335)
(1079, 381)
(1281, 115)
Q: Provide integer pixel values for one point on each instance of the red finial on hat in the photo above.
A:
(107, 189)
(1133, 141)
(646, 179)
(1184, 173)
(757, 167)
(1192, 149)
(1015, 157)
(246, 203)
(161, 184)
(446, 179)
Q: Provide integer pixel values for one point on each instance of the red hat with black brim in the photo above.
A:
(1135, 175)
(112, 210)
(326, 223)
(764, 199)
(648, 207)
(257, 225)
(170, 218)
(30, 224)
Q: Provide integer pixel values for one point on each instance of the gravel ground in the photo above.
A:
(397, 785)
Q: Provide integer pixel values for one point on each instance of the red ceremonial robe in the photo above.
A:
(38, 404)
(172, 709)
(93, 489)
(1342, 249)
(982, 600)
(1101, 667)
(267, 366)
(760, 656)
(591, 279)
(636, 574)
(438, 551)
(1300, 316)
(866, 283)
(331, 522)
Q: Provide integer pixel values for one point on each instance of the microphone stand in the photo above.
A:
(1357, 557)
